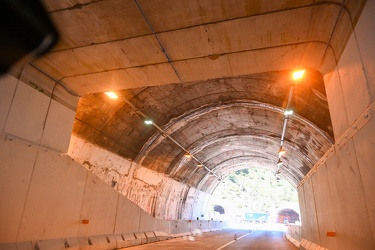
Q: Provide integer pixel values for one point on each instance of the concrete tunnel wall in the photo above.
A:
(338, 193)
(41, 189)
(163, 197)
(46, 194)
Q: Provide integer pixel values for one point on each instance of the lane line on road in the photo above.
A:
(234, 241)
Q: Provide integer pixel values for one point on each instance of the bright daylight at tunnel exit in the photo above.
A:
(251, 197)
(188, 124)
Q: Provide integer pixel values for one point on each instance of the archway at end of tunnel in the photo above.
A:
(288, 215)
(251, 197)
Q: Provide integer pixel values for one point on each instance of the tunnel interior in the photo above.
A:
(214, 76)
(225, 123)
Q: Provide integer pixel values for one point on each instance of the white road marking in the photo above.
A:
(233, 241)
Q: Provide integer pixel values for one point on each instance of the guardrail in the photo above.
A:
(294, 234)
(164, 230)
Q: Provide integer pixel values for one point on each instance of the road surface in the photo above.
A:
(225, 240)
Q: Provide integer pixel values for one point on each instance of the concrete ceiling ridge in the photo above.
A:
(306, 160)
(70, 81)
(69, 78)
(201, 93)
(202, 155)
(289, 161)
(80, 6)
(213, 163)
(222, 157)
(232, 138)
(177, 123)
(350, 7)
(252, 154)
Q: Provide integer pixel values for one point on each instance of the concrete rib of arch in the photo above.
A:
(235, 130)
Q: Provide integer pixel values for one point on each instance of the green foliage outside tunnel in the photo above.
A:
(253, 190)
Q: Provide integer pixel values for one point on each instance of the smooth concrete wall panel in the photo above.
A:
(16, 169)
(353, 81)
(46, 196)
(27, 114)
(183, 226)
(58, 127)
(147, 222)
(365, 40)
(323, 205)
(337, 106)
(365, 148)
(99, 207)
(8, 86)
(310, 230)
(162, 226)
(301, 200)
(55, 198)
(348, 201)
(128, 216)
(349, 173)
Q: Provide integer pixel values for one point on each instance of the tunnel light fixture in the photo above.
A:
(111, 94)
(298, 74)
(288, 112)
(281, 152)
(148, 121)
(279, 162)
(199, 165)
(187, 155)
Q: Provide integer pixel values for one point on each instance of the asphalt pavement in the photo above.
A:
(261, 237)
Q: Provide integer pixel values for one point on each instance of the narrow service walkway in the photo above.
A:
(225, 240)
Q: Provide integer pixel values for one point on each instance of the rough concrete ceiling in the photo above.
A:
(227, 123)
(215, 75)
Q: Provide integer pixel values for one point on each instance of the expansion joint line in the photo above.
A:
(159, 42)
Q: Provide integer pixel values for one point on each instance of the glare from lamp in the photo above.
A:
(187, 155)
(111, 95)
(288, 112)
(281, 151)
(298, 74)
(148, 122)
(199, 165)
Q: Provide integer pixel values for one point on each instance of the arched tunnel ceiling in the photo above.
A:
(214, 74)
(227, 123)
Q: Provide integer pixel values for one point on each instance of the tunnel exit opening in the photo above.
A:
(253, 196)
